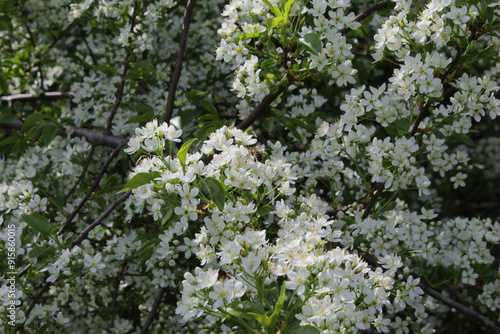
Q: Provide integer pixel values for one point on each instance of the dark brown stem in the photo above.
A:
(367, 12)
(174, 81)
(118, 97)
(443, 77)
(82, 175)
(376, 195)
(33, 303)
(99, 220)
(94, 186)
(260, 108)
(461, 307)
(154, 309)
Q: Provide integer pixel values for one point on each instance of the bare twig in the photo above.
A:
(82, 175)
(94, 186)
(99, 220)
(424, 110)
(154, 309)
(33, 303)
(367, 12)
(174, 81)
(461, 307)
(260, 108)
(78, 240)
(118, 96)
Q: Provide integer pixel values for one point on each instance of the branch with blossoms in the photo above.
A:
(314, 191)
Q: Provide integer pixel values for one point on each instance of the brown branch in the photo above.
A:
(260, 108)
(371, 260)
(78, 240)
(461, 307)
(100, 219)
(94, 186)
(172, 88)
(118, 96)
(154, 309)
(376, 195)
(40, 293)
(367, 12)
(82, 175)
(424, 110)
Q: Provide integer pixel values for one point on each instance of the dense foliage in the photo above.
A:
(250, 166)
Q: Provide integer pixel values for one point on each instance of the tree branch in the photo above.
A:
(260, 108)
(174, 81)
(154, 309)
(94, 186)
(99, 220)
(461, 307)
(367, 12)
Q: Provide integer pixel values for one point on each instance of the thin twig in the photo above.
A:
(94, 186)
(424, 110)
(115, 294)
(78, 240)
(461, 307)
(367, 12)
(260, 108)
(91, 53)
(118, 96)
(174, 81)
(33, 303)
(99, 220)
(82, 175)
(154, 309)
(371, 260)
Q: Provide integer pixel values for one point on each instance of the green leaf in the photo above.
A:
(145, 236)
(38, 223)
(265, 210)
(275, 10)
(39, 251)
(166, 214)
(188, 116)
(215, 191)
(208, 106)
(146, 117)
(248, 35)
(141, 108)
(286, 11)
(184, 150)
(49, 132)
(4, 118)
(302, 330)
(313, 43)
(106, 69)
(146, 250)
(139, 179)
(461, 138)
(32, 119)
(194, 93)
(279, 304)
(292, 127)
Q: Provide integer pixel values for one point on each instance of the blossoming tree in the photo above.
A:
(264, 166)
